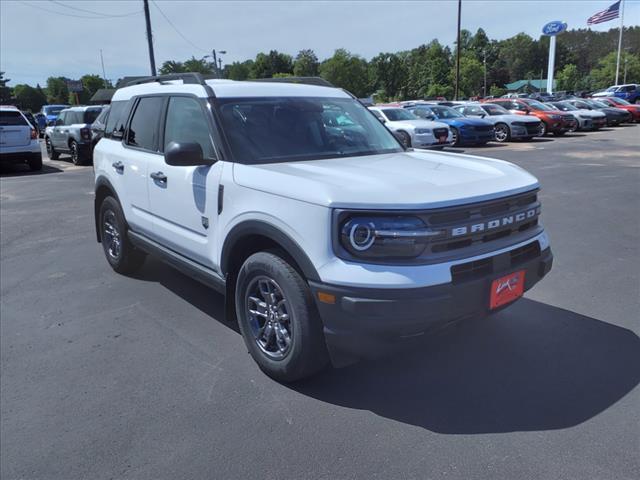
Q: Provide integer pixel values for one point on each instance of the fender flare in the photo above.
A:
(264, 229)
(101, 182)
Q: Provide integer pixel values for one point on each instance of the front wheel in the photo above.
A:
(121, 254)
(542, 129)
(51, 152)
(503, 134)
(404, 138)
(455, 136)
(278, 318)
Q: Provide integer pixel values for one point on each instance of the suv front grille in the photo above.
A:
(481, 223)
(440, 132)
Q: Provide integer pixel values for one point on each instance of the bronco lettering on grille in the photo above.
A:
(513, 219)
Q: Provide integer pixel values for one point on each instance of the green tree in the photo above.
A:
(306, 64)
(29, 98)
(471, 76)
(604, 74)
(428, 70)
(198, 65)
(568, 78)
(266, 65)
(91, 83)
(57, 90)
(238, 70)
(5, 92)
(388, 73)
(347, 71)
(171, 66)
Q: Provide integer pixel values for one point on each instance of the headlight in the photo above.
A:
(422, 131)
(385, 237)
(555, 117)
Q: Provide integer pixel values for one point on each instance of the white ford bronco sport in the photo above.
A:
(330, 241)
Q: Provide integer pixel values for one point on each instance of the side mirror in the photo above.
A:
(51, 123)
(382, 120)
(527, 111)
(185, 154)
(482, 115)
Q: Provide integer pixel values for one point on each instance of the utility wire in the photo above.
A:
(38, 7)
(105, 15)
(176, 29)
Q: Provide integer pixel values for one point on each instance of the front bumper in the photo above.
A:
(365, 322)
(472, 136)
(427, 140)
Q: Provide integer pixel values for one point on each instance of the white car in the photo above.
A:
(413, 131)
(328, 246)
(587, 119)
(18, 139)
(508, 126)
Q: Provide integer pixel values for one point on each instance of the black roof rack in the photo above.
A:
(188, 78)
(318, 81)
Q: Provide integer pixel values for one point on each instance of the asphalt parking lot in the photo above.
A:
(105, 376)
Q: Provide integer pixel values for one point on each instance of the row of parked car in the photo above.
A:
(434, 125)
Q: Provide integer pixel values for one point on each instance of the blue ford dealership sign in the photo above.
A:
(554, 28)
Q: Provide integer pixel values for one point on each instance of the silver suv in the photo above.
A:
(71, 133)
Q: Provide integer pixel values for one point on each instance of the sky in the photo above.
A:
(42, 38)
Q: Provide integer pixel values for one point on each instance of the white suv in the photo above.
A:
(329, 239)
(18, 139)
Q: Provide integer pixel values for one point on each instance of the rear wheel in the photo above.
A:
(503, 134)
(51, 152)
(121, 254)
(76, 156)
(278, 318)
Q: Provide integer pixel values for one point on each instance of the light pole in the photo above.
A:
(484, 60)
(217, 64)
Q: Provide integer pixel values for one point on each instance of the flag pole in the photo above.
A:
(620, 40)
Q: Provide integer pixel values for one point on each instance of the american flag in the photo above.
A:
(605, 15)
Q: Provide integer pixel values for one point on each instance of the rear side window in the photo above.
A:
(117, 119)
(143, 130)
(91, 114)
(186, 123)
(12, 118)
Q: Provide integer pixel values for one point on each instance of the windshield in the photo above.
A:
(284, 129)
(474, 111)
(595, 104)
(565, 107)
(538, 105)
(619, 101)
(53, 110)
(495, 110)
(398, 114)
(445, 112)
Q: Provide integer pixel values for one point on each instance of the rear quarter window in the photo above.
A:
(12, 118)
(117, 119)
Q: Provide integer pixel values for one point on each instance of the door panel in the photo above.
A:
(184, 200)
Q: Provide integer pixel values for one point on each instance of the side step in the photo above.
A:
(180, 262)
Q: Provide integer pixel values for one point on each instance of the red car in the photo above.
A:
(554, 121)
(616, 102)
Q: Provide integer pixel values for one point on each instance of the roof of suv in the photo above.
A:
(231, 89)
(82, 108)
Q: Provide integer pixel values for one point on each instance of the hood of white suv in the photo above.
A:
(404, 180)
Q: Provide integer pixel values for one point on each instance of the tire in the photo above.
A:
(455, 136)
(51, 152)
(76, 156)
(503, 132)
(35, 162)
(542, 130)
(123, 257)
(268, 289)
(559, 133)
(404, 138)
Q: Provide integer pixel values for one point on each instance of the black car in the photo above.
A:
(98, 127)
(615, 116)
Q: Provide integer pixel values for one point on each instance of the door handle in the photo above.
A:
(159, 177)
(118, 166)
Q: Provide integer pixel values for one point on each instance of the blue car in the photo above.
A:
(464, 130)
(49, 115)
(629, 92)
